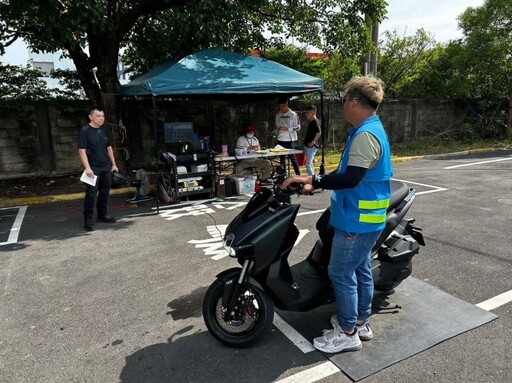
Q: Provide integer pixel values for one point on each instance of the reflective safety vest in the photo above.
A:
(362, 209)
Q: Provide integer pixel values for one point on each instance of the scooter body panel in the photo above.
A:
(270, 229)
(271, 233)
(239, 305)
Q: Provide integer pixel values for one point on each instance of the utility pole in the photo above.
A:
(370, 60)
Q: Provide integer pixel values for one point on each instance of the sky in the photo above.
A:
(438, 17)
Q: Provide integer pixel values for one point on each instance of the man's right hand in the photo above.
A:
(89, 172)
(296, 179)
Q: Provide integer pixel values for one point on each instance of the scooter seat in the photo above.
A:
(399, 191)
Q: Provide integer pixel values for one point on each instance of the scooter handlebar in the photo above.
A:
(293, 188)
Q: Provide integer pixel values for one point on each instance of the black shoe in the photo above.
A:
(89, 226)
(107, 219)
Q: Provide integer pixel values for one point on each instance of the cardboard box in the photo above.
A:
(245, 184)
(199, 168)
(181, 170)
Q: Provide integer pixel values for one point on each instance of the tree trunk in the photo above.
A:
(112, 108)
(103, 90)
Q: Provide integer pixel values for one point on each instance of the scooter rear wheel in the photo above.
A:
(252, 320)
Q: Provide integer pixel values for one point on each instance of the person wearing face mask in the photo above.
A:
(250, 142)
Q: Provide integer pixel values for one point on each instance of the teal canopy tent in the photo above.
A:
(216, 72)
(219, 74)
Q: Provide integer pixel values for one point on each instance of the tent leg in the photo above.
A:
(155, 157)
(322, 127)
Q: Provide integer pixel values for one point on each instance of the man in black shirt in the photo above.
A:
(97, 157)
(311, 140)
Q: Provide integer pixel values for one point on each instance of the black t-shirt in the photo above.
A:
(313, 129)
(95, 142)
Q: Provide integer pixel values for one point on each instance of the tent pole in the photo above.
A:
(155, 155)
(322, 127)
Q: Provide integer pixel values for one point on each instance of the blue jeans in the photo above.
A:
(350, 273)
(310, 156)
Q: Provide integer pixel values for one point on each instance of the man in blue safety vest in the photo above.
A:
(361, 190)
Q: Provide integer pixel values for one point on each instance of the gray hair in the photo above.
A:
(370, 89)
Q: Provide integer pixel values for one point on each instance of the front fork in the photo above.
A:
(232, 291)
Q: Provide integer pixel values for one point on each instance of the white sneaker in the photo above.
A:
(364, 331)
(336, 340)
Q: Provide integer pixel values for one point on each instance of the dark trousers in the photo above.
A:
(292, 157)
(97, 195)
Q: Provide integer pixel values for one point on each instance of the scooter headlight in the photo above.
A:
(228, 242)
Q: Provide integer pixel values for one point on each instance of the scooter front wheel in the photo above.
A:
(249, 321)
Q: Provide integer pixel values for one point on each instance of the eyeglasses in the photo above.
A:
(350, 98)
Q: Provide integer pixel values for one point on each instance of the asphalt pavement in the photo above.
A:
(123, 303)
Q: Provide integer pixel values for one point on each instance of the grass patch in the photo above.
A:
(424, 147)
(420, 148)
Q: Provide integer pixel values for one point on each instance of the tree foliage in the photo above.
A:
(403, 61)
(26, 83)
(241, 26)
(339, 69)
(22, 83)
(487, 44)
(487, 47)
(296, 58)
(71, 88)
(91, 33)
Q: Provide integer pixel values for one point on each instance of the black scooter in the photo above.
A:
(238, 307)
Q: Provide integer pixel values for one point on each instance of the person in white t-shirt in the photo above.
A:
(250, 142)
(288, 123)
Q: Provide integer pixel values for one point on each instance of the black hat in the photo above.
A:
(311, 107)
(282, 100)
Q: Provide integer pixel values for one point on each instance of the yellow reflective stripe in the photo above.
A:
(373, 205)
(372, 218)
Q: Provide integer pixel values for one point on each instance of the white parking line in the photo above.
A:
(292, 334)
(16, 226)
(477, 163)
(497, 301)
(434, 189)
(313, 374)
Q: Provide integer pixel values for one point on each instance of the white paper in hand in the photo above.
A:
(89, 180)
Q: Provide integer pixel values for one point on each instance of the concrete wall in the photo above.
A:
(40, 137)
